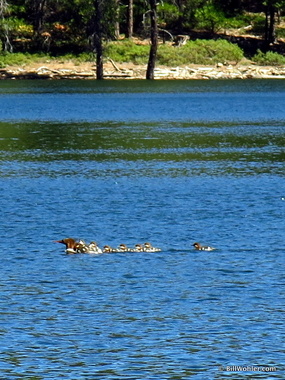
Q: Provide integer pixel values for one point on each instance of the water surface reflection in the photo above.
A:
(171, 163)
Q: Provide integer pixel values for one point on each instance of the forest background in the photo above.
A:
(143, 31)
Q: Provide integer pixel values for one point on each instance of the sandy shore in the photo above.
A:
(70, 70)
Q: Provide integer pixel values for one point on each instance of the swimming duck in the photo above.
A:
(200, 247)
(71, 245)
(149, 248)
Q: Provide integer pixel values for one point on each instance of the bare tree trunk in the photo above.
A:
(3, 9)
(154, 40)
(97, 39)
(130, 19)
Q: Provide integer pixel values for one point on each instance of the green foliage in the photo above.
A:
(167, 14)
(201, 52)
(69, 26)
(18, 59)
(280, 32)
(258, 23)
(84, 57)
(234, 23)
(22, 59)
(269, 59)
(229, 7)
(17, 27)
(197, 52)
(127, 51)
(243, 20)
(209, 18)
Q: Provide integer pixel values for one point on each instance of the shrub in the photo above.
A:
(201, 52)
(127, 51)
(270, 58)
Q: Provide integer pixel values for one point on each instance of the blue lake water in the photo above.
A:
(170, 162)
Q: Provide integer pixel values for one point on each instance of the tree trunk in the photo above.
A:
(269, 25)
(154, 40)
(117, 23)
(272, 24)
(97, 39)
(38, 15)
(3, 9)
(180, 4)
(130, 19)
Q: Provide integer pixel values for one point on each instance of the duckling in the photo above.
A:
(138, 248)
(108, 249)
(93, 248)
(149, 248)
(123, 248)
(81, 247)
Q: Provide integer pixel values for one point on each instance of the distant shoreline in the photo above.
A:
(69, 70)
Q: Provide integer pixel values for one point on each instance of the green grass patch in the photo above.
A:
(17, 59)
(22, 59)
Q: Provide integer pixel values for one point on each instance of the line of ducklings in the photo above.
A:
(72, 246)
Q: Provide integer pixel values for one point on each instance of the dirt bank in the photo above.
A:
(70, 70)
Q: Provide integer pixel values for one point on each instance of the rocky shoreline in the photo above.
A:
(113, 71)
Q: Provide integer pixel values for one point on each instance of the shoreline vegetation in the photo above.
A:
(127, 59)
(142, 40)
(87, 70)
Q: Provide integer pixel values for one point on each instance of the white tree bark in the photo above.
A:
(3, 12)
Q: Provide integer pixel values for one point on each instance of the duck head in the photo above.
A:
(68, 242)
(197, 246)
